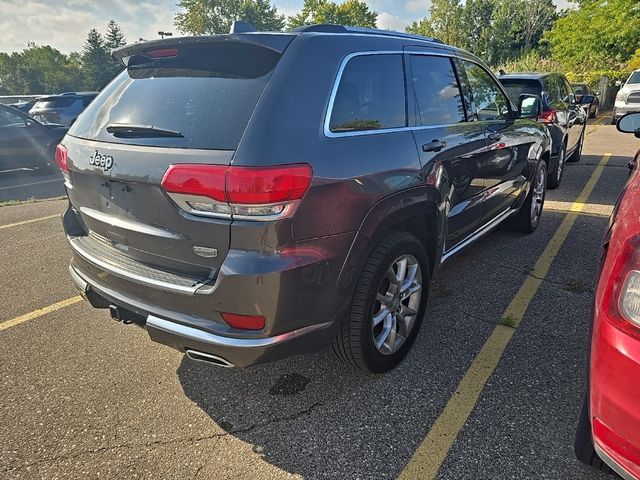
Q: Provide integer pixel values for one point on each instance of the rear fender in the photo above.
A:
(421, 207)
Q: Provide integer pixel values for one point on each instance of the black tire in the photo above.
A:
(524, 221)
(553, 180)
(577, 153)
(354, 342)
(594, 114)
(583, 444)
(614, 120)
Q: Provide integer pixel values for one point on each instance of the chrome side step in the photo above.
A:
(478, 233)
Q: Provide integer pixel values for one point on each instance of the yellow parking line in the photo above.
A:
(433, 449)
(25, 222)
(38, 313)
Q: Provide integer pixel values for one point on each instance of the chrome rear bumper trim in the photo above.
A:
(186, 287)
(197, 335)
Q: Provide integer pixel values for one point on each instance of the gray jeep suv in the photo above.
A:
(251, 196)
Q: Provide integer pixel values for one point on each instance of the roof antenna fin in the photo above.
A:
(242, 27)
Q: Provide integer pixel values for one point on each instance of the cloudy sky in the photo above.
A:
(64, 24)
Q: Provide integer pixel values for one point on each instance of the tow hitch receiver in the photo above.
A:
(125, 316)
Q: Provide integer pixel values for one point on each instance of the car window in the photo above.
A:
(87, 99)
(634, 78)
(579, 89)
(437, 93)
(371, 95)
(57, 102)
(490, 102)
(517, 87)
(10, 119)
(206, 92)
(566, 90)
(551, 88)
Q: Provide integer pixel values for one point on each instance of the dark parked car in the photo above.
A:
(559, 110)
(580, 89)
(25, 142)
(61, 109)
(251, 196)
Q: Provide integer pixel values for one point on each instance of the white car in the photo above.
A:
(628, 98)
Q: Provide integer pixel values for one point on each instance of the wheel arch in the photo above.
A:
(417, 211)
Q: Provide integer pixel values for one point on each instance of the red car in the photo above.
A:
(608, 433)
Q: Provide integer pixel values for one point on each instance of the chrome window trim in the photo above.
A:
(334, 90)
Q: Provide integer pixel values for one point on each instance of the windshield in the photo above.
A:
(207, 93)
(635, 77)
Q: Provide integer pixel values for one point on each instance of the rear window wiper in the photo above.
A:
(125, 130)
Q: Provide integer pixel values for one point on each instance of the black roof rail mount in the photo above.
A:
(240, 26)
(330, 28)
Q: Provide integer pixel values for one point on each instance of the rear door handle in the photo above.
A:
(433, 146)
(494, 136)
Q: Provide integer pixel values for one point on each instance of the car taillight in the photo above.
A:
(62, 160)
(622, 293)
(244, 322)
(547, 116)
(256, 193)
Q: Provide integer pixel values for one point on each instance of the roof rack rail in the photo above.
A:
(329, 28)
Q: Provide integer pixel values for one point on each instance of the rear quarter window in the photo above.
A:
(206, 92)
(370, 95)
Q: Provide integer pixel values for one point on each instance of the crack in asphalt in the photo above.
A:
(556, 284)
(155, 443)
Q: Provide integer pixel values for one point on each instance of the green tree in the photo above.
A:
(354, 13)
(39, 69)
(200, 17)
(444, 23)
(598, 35)
(113, 39)
(95, 61)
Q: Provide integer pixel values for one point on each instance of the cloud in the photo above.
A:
(392, 22)
(64, 24)
(418, 6)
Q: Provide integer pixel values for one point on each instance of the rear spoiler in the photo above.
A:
(276, 42)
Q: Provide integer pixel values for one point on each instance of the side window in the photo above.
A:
(10, 119)
(552, 88)
(566, 88)
(438, 98)
(371, 95)
(490, 102)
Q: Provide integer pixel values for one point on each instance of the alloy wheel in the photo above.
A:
(538, 196)
(397, 304)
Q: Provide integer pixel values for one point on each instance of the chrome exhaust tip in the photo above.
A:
(208, 358)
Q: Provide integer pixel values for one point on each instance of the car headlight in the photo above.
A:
(621, 96)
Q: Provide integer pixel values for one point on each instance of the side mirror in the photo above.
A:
(629, 123)
(528, 105)
(587, 99)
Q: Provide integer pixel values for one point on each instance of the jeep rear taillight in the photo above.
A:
(62, 161)
(254, 193)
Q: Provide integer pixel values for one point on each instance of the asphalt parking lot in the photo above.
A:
(82, 396)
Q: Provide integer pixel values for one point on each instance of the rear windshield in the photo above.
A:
(206, 93)
(60, 102)
(515, 88)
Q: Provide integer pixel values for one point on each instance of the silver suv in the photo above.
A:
(61, 109)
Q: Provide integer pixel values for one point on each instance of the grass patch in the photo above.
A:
(509, 321)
